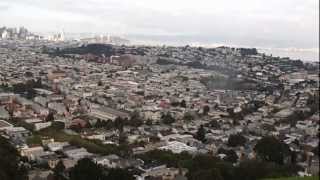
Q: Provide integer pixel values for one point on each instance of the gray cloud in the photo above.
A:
(285, 23)
(3, 8)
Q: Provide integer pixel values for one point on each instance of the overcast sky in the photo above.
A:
(278, 23)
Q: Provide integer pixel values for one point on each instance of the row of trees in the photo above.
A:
(86, 169)
(27, 88)
(271, 154)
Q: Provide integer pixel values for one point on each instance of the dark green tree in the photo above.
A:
(10, 169)
(212, 174)
(236, 140)
(119, 123)
(119, 174)
(58, 125)
(215, 124)
(58, 171)
(183, 103)
(201, 134)
(271, 149)
(86, 169)
(135, 119)
(50, 117)
(206, 109)
(231, 155)
(98, 124)
(188, 116)
(167, 118)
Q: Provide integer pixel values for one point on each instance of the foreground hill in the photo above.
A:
(296, 178)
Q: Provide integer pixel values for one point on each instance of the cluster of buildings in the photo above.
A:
(106, 39)
(156, 84)
(20, 33)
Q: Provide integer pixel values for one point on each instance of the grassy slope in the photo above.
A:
(296, 178)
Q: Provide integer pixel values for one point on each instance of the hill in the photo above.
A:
(296, 178)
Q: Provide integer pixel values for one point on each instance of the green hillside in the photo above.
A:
(296, 178)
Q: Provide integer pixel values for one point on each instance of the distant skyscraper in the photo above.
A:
(62, 36)
(5, 34)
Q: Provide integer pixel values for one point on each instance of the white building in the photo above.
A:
(56, 146)
(178, 147)
(5, 34)
(32, 153)
(77, 154)
(110, 161)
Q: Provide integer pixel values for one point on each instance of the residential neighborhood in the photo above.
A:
(120, 105)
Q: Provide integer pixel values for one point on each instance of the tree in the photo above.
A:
(86, 169)
(38, 83)
(98, 124)
(28, 74)
(201, 134)
(167, 118)
(203, 166)
(119, 123)
(58, 171)
(253, 170)
(236, 140)
(100, 83)
(50, 117)
(206, 109)
(135, 119)
(123, 138)
(58, 125)
(76, 128)
(231, 155)
(183, 103)
(188, 116)
(10, 167)
(175, 103)
(215, 124)
(271, 149)
(212, 174)
(119, 174)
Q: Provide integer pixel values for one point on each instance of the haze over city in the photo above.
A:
(253, 23)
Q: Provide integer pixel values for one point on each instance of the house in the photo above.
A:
(164, 174)
(18, 133)
(41, 125)
(41, 100)
(32, 153)
(6, 98)
(39, 174)
(77, 153)
(105, 113)
(56, 146)
(56, 74)
(152, 166)
(178, 147)
(38, 124)
(110, 161)
(25, 103)
(78, 123)
(94, 135)
(50, 159)
(69, 163)
(114, 161)
(40, 110)
(4, 125)
(58, 107)
(4, 114)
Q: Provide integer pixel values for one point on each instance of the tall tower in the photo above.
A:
(108, 38)
(62, 36)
